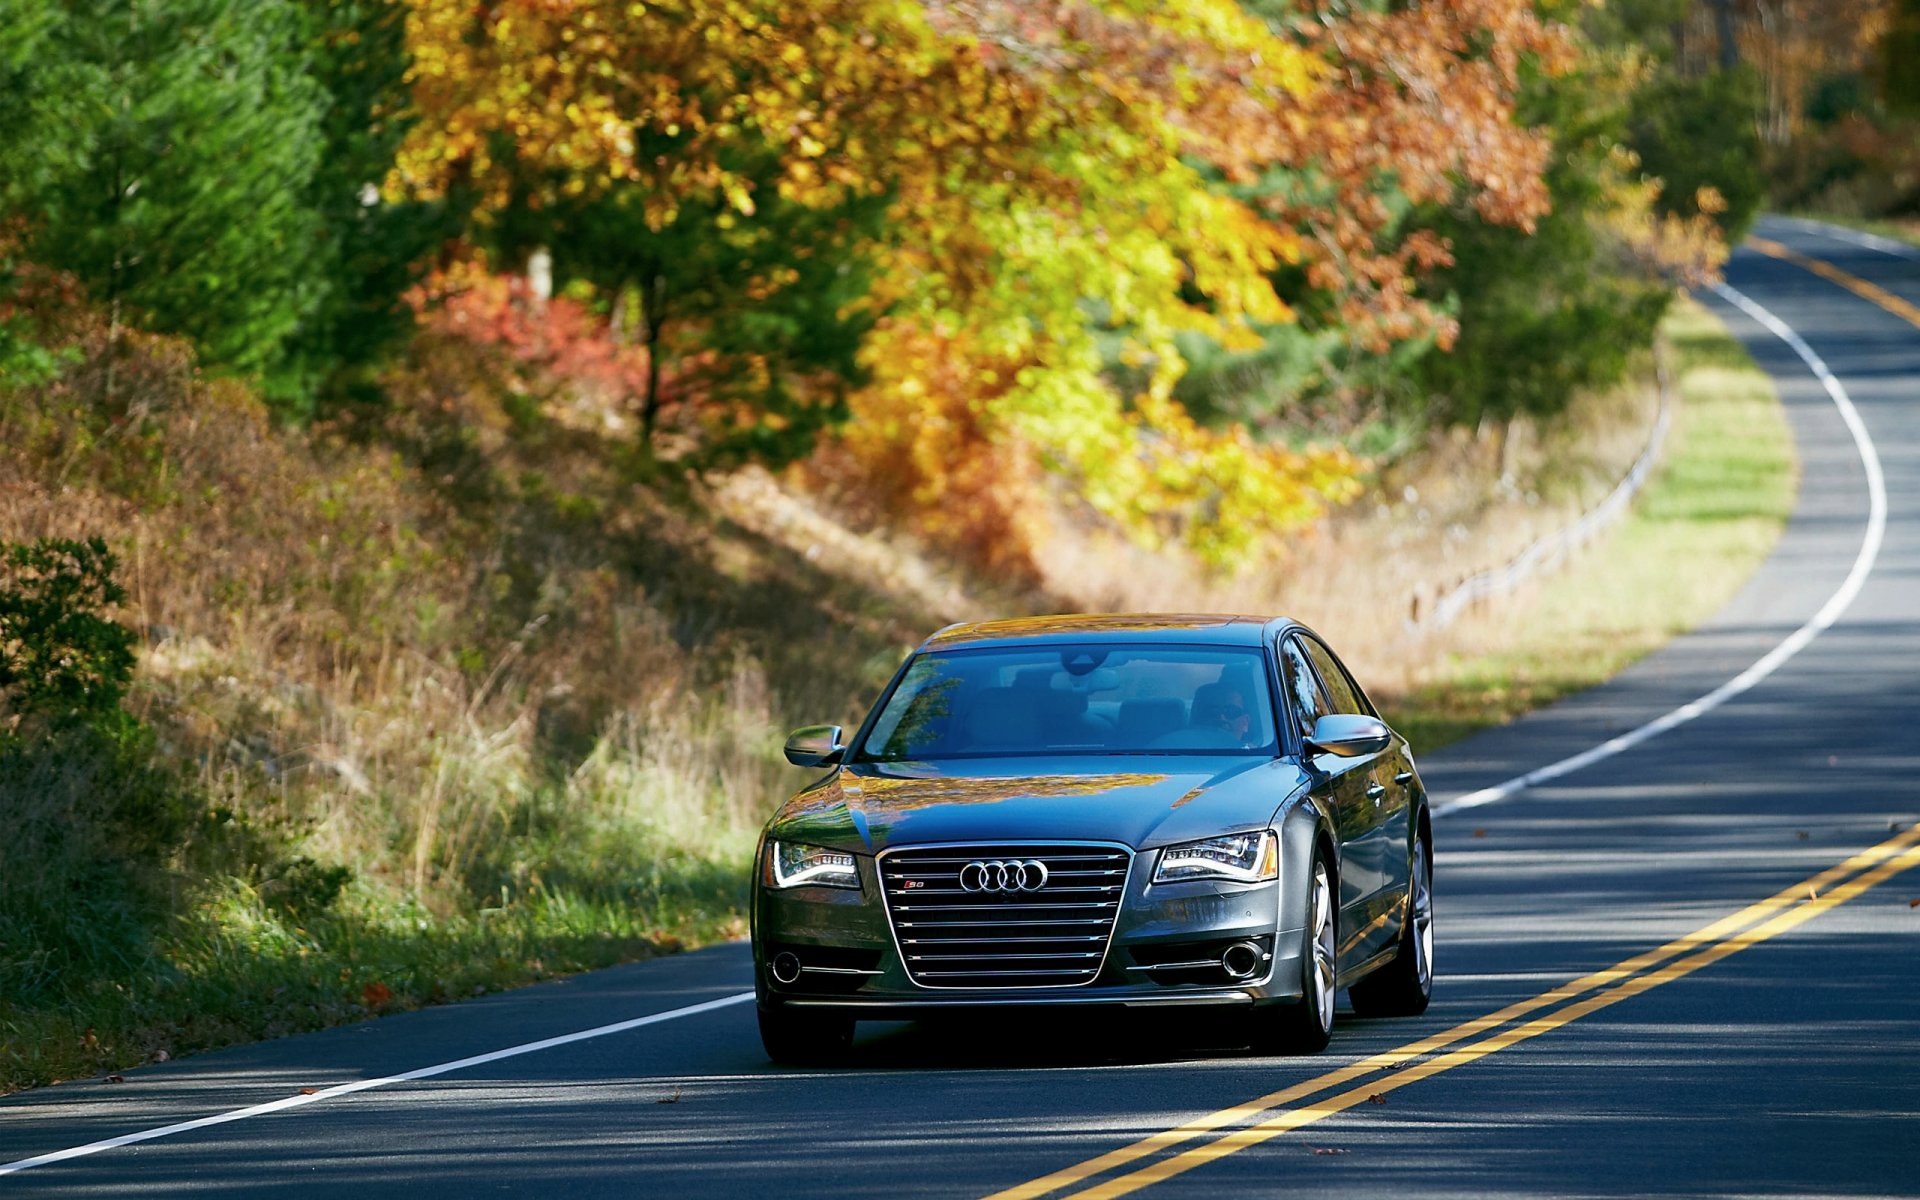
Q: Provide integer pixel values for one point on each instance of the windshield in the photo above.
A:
(1084, 699)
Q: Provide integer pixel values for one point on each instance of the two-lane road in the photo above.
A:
(1689, 967)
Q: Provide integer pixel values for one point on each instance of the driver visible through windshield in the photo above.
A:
(1085, 699)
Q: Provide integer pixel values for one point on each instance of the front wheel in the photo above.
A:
(1304, 1027)
(1404, 986)
(804, 1038)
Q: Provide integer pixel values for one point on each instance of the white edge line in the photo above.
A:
(1871, 241)
(1794, 643)
(361, 1085)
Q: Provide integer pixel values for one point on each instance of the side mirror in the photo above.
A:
(815, 746)
(1349, 735)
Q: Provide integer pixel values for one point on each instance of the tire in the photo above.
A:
(1404, 986)
(803, 1038)
(1305, 1025)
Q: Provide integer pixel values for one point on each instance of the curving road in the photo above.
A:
(1690, 967)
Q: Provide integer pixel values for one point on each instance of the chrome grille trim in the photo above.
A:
(1055, 937)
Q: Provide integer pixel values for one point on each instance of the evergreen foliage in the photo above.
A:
(60, 657)
(369, 248)
(772, 300)
(184, 136)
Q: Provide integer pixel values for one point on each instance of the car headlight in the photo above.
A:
(1242, 857)
(789, 865)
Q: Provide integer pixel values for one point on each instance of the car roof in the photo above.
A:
(1209, 629)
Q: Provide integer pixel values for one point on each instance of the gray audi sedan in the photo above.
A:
(1131, 811)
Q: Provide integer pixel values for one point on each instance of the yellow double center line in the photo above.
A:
(1268, 1116)
(1899, 306)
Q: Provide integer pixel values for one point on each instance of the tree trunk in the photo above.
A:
(653, 305)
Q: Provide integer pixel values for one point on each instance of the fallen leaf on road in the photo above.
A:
(115, 1079)
(308, 1091)
(1914, 903)
(1801, 834)
(673, 1099)
(1376, 1098)
(1479, 833)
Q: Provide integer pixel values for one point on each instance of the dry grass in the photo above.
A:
(1460, 504)
(532, 692)
(1705, 520)
(1711, 513)
(527, 694)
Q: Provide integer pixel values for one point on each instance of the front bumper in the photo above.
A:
(1164, 938)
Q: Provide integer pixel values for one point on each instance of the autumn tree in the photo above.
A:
(1420, 112)
(758, 314)
(1046, 173)
(1419, 115)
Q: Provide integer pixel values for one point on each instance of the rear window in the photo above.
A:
(1085, 699)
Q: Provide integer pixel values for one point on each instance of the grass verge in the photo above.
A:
(1711, 513)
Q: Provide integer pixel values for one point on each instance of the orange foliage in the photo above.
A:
(557, 337)
(1424, 99)
(917, 444)
(1060, 172)
(1792, 43)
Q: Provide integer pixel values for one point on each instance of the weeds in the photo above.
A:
(447, 703)
(457, 702)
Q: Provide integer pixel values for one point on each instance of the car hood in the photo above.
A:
(1143, 801)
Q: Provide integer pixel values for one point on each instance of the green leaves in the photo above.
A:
(61, 656)
(181, 204)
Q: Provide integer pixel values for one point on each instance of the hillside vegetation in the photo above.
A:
(469, 699)
(445, 447)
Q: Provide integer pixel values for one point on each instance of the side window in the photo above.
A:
(1304, 694)
(1346, 697)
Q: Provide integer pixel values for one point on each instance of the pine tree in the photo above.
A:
(368, 247)
(188, 135)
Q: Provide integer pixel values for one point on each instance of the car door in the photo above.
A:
(1343, 782)
(1388, 775)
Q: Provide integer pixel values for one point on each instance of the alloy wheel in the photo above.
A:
(1322, 967)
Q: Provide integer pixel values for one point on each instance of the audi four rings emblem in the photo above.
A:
(1023, 875)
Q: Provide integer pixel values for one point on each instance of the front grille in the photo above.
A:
(1054, 936)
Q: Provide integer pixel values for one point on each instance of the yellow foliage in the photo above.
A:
(1058, 172)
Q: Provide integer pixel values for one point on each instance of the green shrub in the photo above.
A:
(60, 658)
(91, 815)
(1696, 133)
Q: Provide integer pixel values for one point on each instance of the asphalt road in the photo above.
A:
(1776, 1053)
